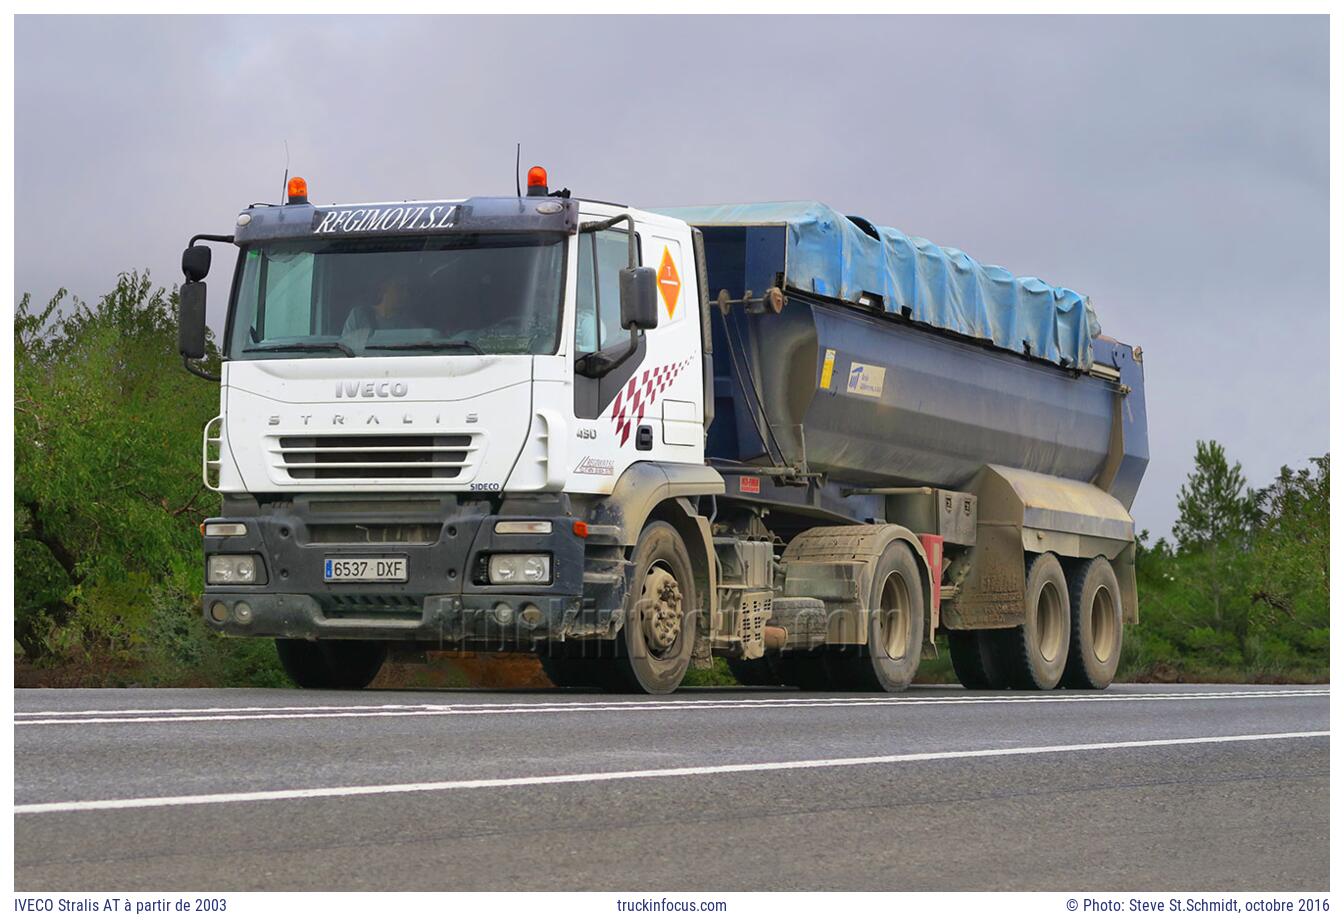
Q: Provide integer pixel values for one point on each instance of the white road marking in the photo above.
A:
(355, 711)
(224, 798)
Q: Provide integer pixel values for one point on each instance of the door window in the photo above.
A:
(602, 255)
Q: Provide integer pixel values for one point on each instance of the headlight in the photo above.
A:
(520, 569)
(225, 529)
(231, 570)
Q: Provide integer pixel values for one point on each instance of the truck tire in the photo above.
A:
(331, 664)
(890, 658)
(1098, 626)
(655, 643)
(1035, 653)
(975, 659)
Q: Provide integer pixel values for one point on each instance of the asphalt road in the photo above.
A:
(936, 788)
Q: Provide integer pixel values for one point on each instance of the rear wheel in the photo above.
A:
(1035, 653)
(975, 659)
(890, 658)
(331, 664)
(1098, 626)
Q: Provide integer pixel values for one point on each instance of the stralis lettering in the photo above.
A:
(378, 220)
(373, 389)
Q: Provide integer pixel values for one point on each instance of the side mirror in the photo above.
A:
(196, 263)
(639, 298)
(191, 315)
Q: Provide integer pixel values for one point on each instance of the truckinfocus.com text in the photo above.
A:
(657, 905)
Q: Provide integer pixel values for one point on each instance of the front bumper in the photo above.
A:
(445, 540)
(506, 620)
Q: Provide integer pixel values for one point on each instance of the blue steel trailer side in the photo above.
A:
(876, 395)
(875, 399)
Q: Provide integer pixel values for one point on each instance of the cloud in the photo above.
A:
(1173, 168)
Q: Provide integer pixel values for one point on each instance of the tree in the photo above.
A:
(1215, 505)
(1216, 514)
(1292, 554)
(107, 488)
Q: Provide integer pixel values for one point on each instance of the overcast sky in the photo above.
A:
(1172, 168)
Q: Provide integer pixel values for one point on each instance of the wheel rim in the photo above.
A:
(894, 616)
(660, 611)
(1049, 622)
(1102, 623)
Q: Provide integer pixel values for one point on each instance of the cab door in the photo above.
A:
(649, 407)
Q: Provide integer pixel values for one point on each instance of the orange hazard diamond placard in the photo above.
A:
(669, 282)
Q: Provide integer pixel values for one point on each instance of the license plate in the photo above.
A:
(372, 569)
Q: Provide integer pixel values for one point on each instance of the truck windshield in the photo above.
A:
(470, 293)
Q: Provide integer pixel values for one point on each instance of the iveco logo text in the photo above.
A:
(349, 389)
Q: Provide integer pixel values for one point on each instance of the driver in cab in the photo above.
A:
(390, 311)
(487, 329)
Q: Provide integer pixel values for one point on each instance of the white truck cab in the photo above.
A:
(503, 388)
(425, 410)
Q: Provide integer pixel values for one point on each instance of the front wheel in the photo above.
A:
(658, 636)
(328, 664)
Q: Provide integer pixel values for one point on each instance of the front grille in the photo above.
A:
(347, 457)
(411, 534)
(366, 606)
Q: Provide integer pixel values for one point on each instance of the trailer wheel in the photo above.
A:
(1035, 653)
(890, 658)
(658, 636)
(975, 659)
(345, 664)
(1098, 626)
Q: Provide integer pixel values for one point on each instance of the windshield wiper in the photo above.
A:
(429, 345)
(307, 346)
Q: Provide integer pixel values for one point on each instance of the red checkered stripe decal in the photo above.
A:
(637, 396)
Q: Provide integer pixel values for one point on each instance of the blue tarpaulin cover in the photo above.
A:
(829, 254)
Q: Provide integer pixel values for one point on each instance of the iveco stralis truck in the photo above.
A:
(631, 441)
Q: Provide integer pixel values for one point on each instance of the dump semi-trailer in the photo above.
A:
(631, 441)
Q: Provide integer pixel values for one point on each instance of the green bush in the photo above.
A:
(108, 494)
(1245, 595)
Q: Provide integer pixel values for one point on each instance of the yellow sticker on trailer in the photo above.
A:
(827, 368)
